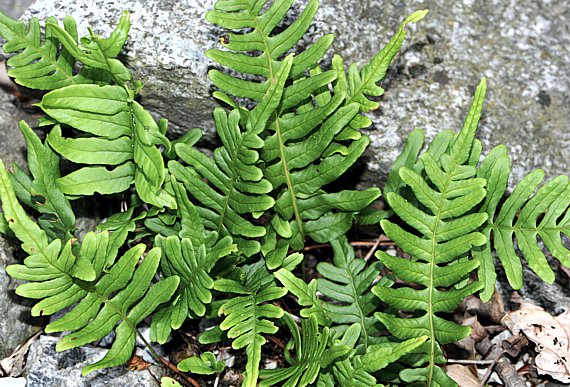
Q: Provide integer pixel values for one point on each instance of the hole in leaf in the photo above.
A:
(38, 199)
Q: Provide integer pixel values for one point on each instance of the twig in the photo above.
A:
(374, 247)
(505, 369)
(487, 375)
(276, 341)
(383, 241)
(175, 369)
(476, 362)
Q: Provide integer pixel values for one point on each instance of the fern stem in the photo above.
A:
(431, 285)
(288, 177)
(290, 188)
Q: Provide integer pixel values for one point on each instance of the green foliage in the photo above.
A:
(63, 275)
(205, 364)
(526, 214)
(119, 132)
(221, 230)
(447, 229)
(192, 265)
(234, 173)
(311, 354)
(165, 381)
(40, 191)
(310, 136)
(50, 63)
(346, 283)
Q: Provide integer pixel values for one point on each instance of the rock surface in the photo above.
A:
(520, 47)
(47, 368)
(14, 8)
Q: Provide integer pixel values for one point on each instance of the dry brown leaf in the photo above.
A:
(13, 365)
(551, 336)
(462, 375)
(137, 364)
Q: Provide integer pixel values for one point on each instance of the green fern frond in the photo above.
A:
(236, 15)
(304, 147)
(49, 63)
(360, 85)
(248, 314)
(358, 368)
(346, 283)
(40, 191)
(446, 230)
(61, 276)
(205, 364)
(118, 133)
(527, 214)
(311, 354)
(237, 185)
(192, 264)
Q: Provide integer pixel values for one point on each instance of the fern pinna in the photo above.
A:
(446, 191)
(311, 137)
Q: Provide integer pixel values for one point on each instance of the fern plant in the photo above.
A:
(98, 102)
(191, 255)
(50, 63)
(247, 317)
(526, 215)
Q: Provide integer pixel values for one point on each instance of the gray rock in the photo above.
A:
(47, 368)
(14, 8)
(11, 139)
(520, 47)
